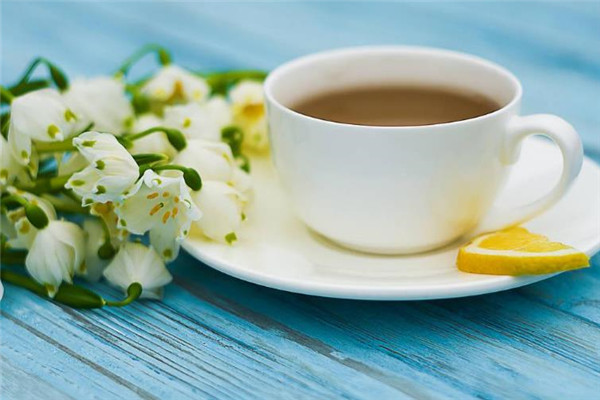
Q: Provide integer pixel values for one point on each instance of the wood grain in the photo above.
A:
(216, 337)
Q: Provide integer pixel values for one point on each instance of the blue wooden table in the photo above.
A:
(217, 337)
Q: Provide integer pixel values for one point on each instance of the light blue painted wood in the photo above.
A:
(216, 337)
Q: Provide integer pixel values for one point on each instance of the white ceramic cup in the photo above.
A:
(404, 189)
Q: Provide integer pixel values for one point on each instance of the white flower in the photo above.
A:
(24, 231)
(101, 100)
(247, 98)
(40, 115)
(111, 170)
(173, 84)
(219, 110)
(137, 263)
(106, 212)
(7, 227)
(1, 291)
(242, 182)
(212, 160)
(70, 163)
(161, 205)
(56, 253)
(94, 239)
(10, 167)
(156, 142)
(222, 210)
(199, 121)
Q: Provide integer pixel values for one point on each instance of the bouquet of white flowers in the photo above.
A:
(89, 167)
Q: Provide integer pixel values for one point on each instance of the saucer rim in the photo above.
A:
(495, 283)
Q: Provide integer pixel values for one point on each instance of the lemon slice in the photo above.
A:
(516, 251)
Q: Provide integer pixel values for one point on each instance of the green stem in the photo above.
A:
(55, 147)
(150, 158)
(175, 137)
(46, 185)
(221, 81)
(5, 95)
(65, 145)
(72, 195)
(56, 74)
(23, 281)
(190, 176)
(26, 87)
(164, 58)
(106, 251)
(5, 121)
(67, 294)
(65, 205)
(13, 257)
(34, 213)
(133, 293)
(173, 167)
(15, 198)
(139, 135)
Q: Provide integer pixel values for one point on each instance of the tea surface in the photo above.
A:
(396, 106)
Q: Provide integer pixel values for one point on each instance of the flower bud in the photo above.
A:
(192, 179)
(36, 216)
(176, 139)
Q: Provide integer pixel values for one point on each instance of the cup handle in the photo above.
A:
(565, 137)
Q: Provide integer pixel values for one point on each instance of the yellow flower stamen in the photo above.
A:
(152, 196)
(24, 227)
(156, 208)
(253, 111)
(166, 216)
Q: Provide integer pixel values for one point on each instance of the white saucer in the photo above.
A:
(276, 250)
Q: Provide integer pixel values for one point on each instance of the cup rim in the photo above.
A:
(274, 74)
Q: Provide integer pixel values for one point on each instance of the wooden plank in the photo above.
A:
(16, 383)
(461, 345)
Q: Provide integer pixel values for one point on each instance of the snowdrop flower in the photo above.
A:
(199, 121)
(242, 182)
(221, 207)
(56, 253)
(106, 212)
(212, 160)
(94, 239)
(24, 232)
(7, 227)
(111, 170)
(247, 100)
(1, 291)
(156, 142)
(161, 205)
(101, 100)
(10, 167)
(40, 115)
(173, 84)
(220, 111)
(70, 163)
(137, 263)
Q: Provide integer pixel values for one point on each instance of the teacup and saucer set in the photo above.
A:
(379, 212)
